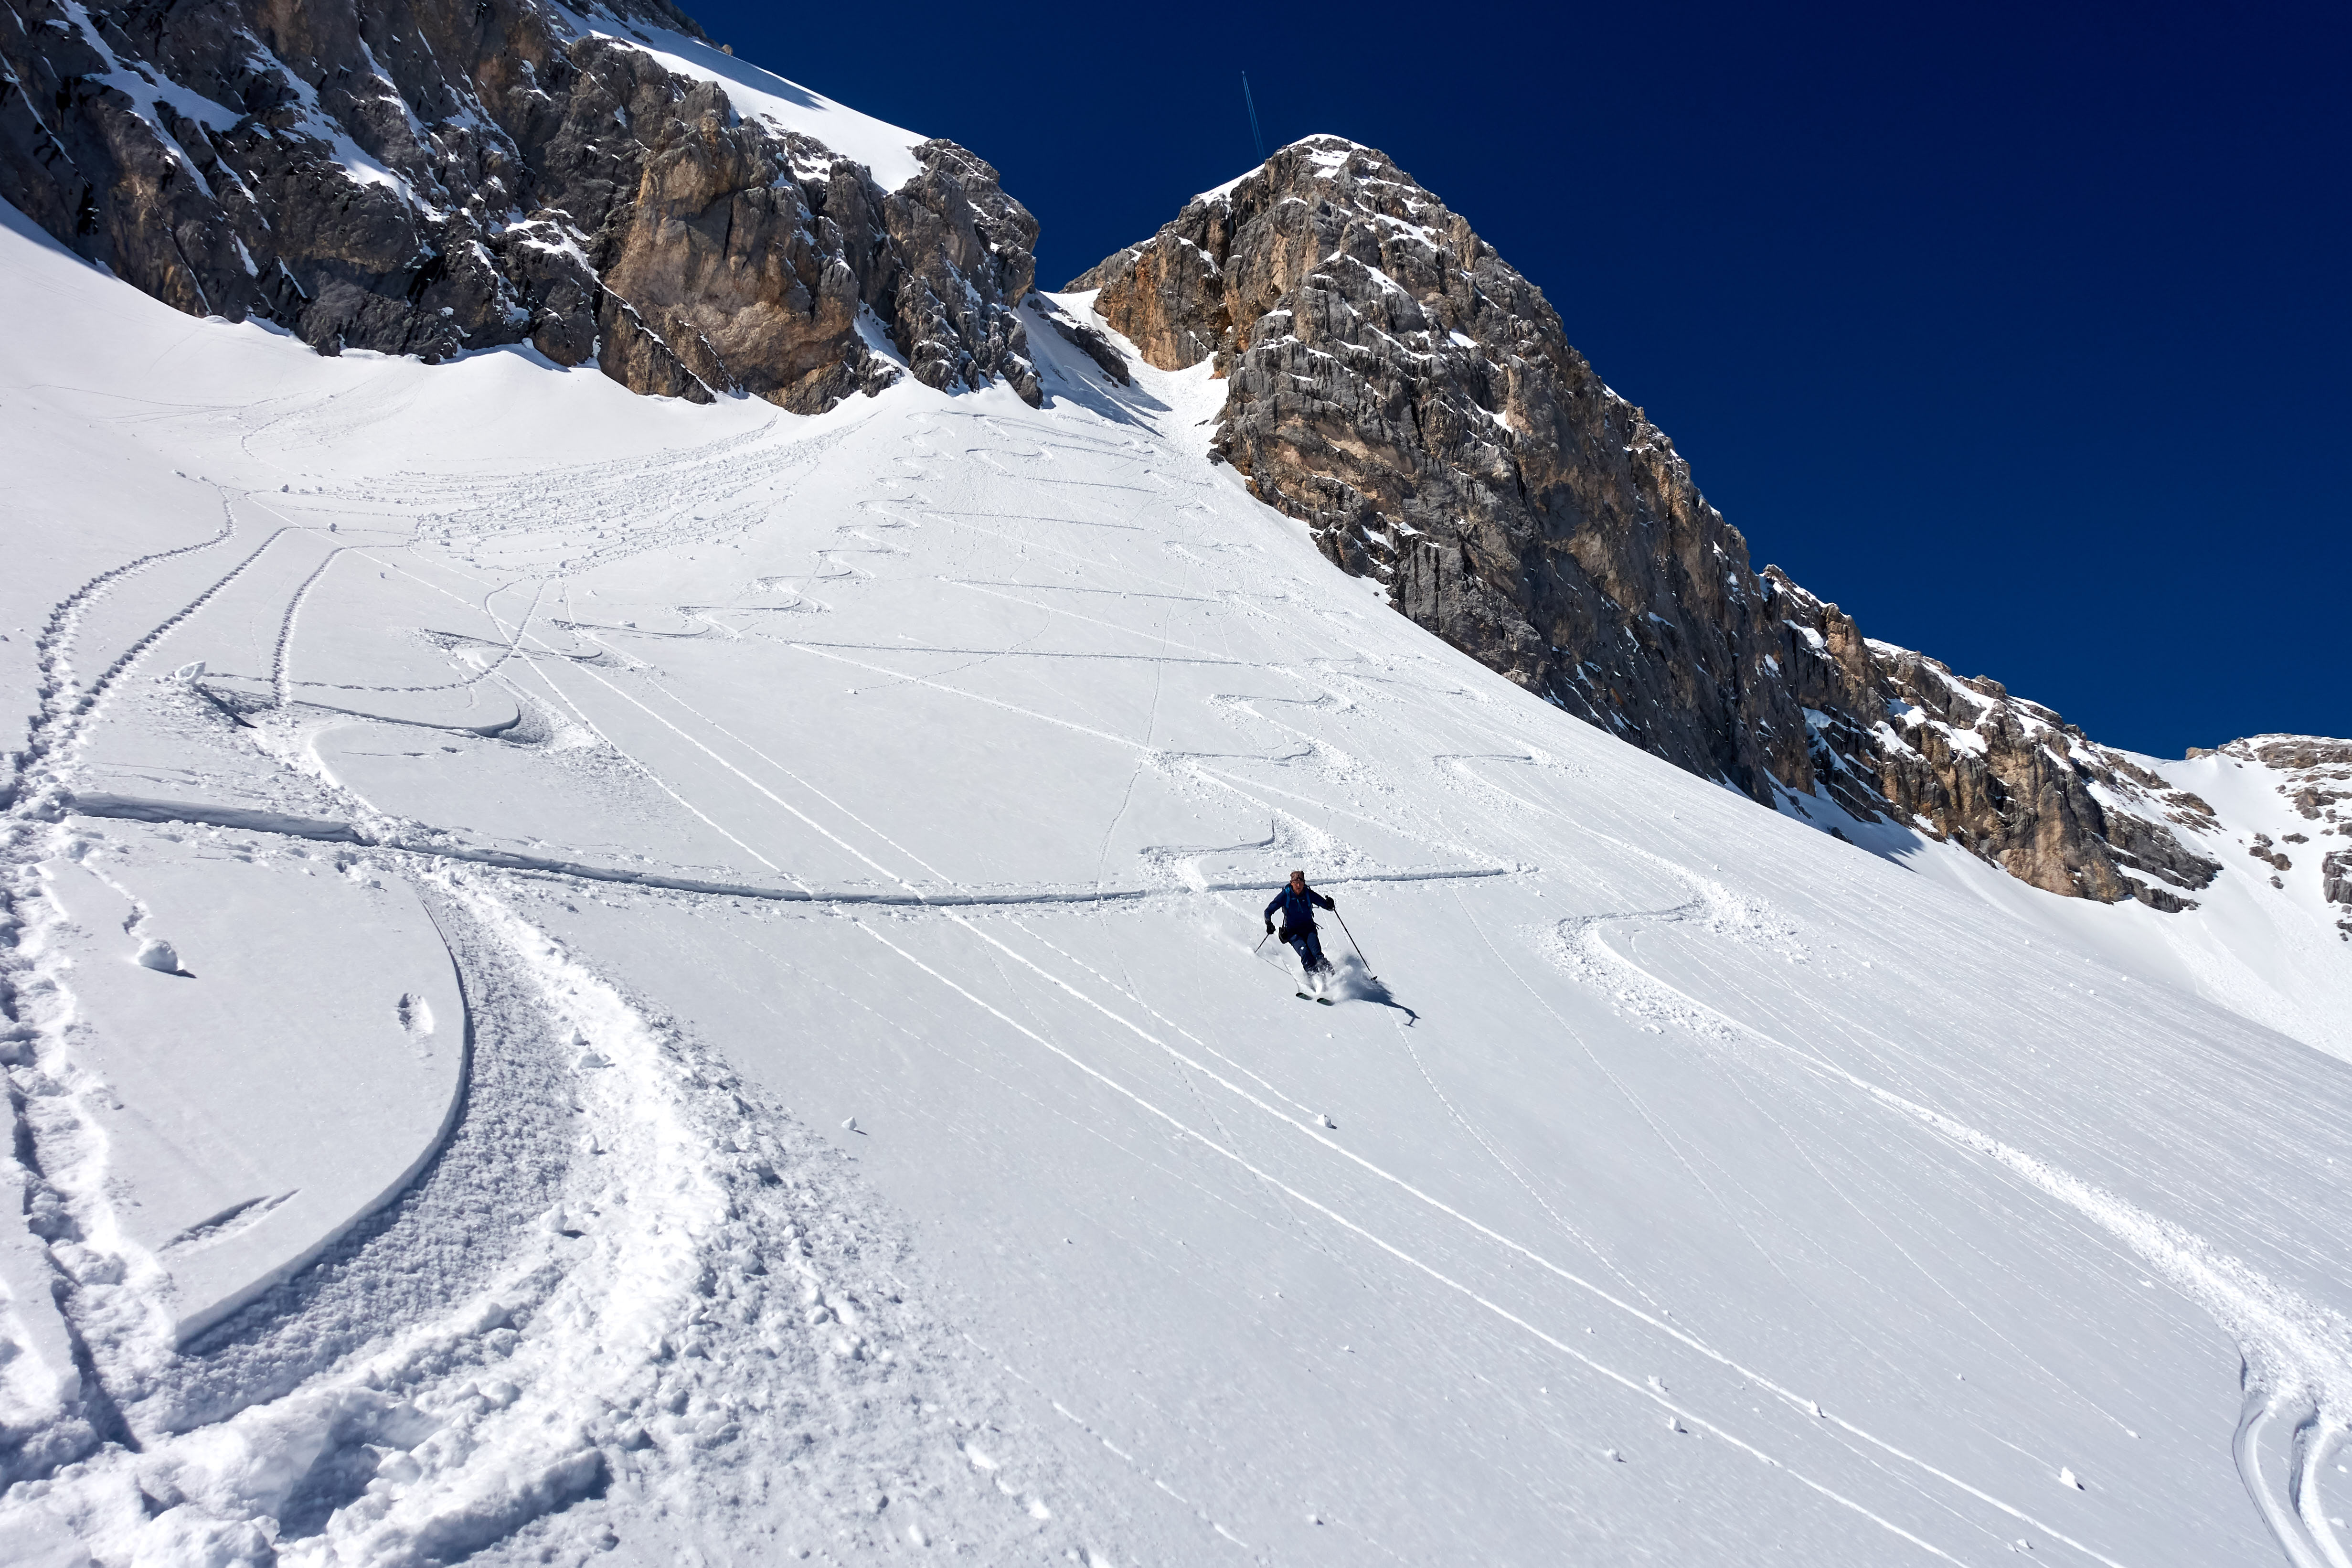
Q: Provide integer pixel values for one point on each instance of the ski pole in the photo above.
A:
(1351, 942)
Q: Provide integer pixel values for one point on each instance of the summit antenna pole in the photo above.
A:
(1251, 104)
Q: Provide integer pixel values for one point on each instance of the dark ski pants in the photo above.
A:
(1309, 945)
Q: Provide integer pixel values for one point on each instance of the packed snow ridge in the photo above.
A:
(600, 977)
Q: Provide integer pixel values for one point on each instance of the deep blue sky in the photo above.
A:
(2021, 333)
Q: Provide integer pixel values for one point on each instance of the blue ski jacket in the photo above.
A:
(1297, 909)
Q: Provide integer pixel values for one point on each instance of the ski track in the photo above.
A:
(2031, 1170)
(281, 681)
(622, 1289)
(58, 1146)
(619, 1290)
(583, 1323)
(698, 1322)
(2297, 1355)
(1380, 1243)
(65, 704)
(2019, 1165)
(2110, 1213)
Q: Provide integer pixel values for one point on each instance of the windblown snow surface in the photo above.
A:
(596, 979)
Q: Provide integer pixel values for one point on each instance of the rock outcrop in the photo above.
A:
(1409, 396)
(431, 177)
(1895, 734)
(1402, 389)
(2314, 781)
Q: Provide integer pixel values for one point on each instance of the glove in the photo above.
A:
(1331, 903)
(1269, 928)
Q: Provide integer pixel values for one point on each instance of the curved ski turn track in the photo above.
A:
(842, 842)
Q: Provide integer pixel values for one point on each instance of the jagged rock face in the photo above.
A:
(1896, 734)
(429, 177)
(1400, 388)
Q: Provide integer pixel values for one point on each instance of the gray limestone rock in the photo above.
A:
(431, 177)
(1405, 392)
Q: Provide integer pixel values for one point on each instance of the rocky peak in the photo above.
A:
(431, 177)
(1402, 389)
(1397, 387)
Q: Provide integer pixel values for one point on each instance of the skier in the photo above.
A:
(1298, 903)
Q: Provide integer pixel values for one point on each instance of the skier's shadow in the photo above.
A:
(1357, 984)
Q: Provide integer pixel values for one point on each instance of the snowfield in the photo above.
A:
(598, 979)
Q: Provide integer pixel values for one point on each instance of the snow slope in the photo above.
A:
(2266, 945)
(845, 839)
